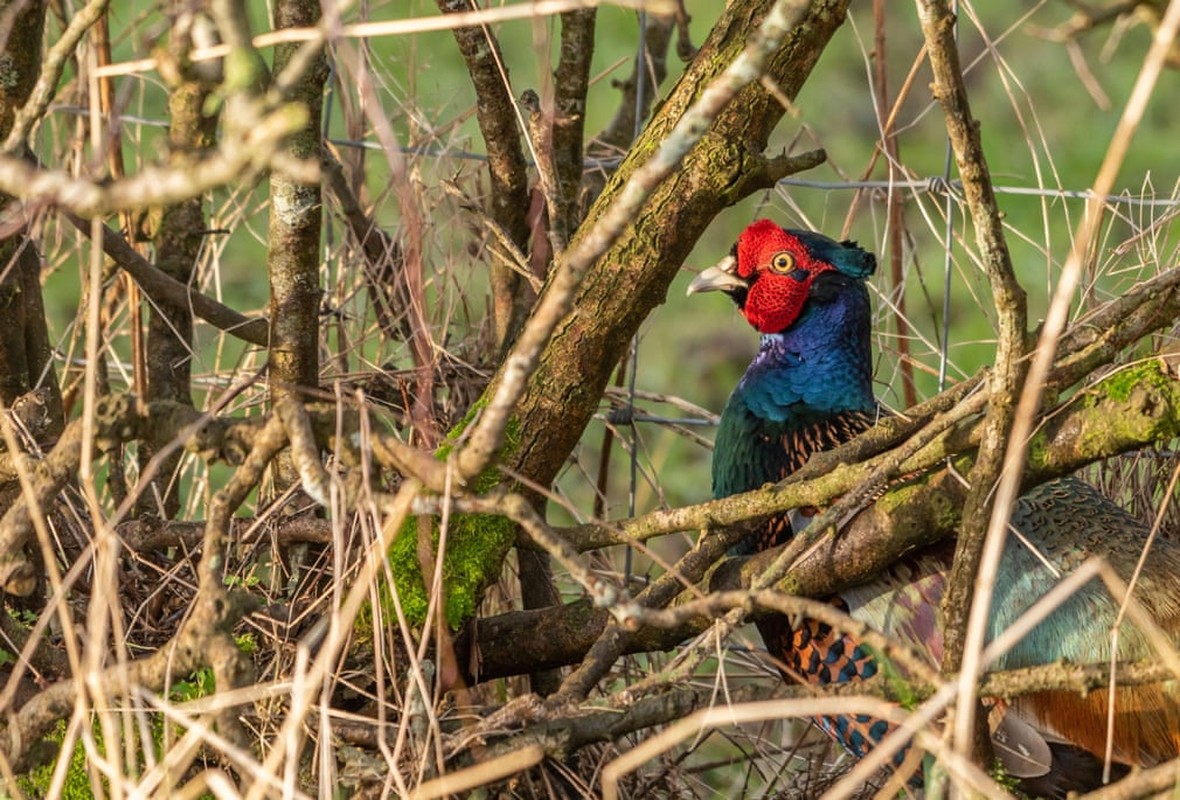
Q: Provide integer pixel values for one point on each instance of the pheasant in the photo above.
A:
(809, 388)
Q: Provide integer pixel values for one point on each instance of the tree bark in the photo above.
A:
(633, 276)
(296, 219)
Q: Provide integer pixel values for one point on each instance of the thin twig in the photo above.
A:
(247, 152)
(162, 287)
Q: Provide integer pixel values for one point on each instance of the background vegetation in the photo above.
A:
(214, 582)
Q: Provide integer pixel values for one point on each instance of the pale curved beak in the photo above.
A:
(721, 277)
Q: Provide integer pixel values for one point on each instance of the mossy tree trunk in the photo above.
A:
(633, 276)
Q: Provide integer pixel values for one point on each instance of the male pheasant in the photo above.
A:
(810, 388)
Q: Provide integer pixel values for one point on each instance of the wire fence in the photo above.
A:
(935, 185)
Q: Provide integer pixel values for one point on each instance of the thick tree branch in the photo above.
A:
(571, 82)
(26, 353)
(178, 240)
(914, 515)
(148, 533)
(23, 68)
(51, 69)
(220, 607)
(564, 733)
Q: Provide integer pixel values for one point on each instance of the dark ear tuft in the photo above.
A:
(855, 260)
(868, 261)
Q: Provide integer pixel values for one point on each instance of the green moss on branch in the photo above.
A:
(476, 545)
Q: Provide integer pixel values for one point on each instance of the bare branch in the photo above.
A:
(571, 82)
(162, 287)
(497, 115)
(178, 239)
(648, 70)
(296, 220)
(1005, 381)
(241, 154)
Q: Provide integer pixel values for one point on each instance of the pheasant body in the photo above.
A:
(810, 388)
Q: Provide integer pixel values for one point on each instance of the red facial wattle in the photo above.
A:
(774, 301)
(777, 291)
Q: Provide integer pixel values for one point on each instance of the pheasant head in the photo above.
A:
(771, 271)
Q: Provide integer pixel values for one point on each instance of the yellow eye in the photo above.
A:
(782, 262)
